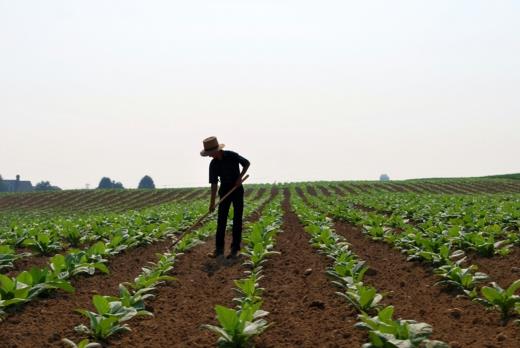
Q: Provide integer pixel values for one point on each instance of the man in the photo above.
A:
(225, 165)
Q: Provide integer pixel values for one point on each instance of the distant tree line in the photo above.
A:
(107, 183)
(146, 183)
(46, 186)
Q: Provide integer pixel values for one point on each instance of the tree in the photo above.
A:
(384, 177)
(146, 183)
(3, 187)
(45, 186)
(106, 183)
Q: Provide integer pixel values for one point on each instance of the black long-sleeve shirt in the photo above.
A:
(227, 169)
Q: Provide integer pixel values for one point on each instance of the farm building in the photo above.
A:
(18, 185)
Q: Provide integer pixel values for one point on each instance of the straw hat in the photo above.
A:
(211, 145)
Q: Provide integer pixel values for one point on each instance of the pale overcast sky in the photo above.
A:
(306, 90)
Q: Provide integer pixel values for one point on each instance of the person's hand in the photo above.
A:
(239, 181)
(211, 207)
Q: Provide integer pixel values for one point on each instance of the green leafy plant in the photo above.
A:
(29, 284)
(385, 332)
(107, 321)
(82, 344)
(364, 298)
(348, 272)
(75, 263)
(8, 256)
(464, 279)
(135, 299)
(238, 326)
(43, 243)
(505, 300)
(71, 233)
(257, 255)
(249, 290)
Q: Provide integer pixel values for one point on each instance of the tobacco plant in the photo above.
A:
(505, 300)
(238, 326)
(463, 279)
(385, 332)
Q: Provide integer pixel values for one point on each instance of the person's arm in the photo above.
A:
(213, 180)
(245, 166)
(214, 188)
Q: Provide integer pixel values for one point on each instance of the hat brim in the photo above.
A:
(205, 153)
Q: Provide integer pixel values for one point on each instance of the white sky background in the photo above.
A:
(306, 90)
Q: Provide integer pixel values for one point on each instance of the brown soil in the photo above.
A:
(19, 328)
(348, 188)
(337, 190)
(311, 190)
(304, 310)
(26, 263)
(409, 286)
(53, 318)
(324, 190)
(181, 307)
(93, 200)
(300, 193)
(502, 269)
(400, 187)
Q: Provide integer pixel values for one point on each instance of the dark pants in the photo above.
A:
(237, 198)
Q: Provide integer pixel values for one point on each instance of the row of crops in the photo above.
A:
(441, 231)
(451, 235)
(121, 200)
(93, 200)
(101, 238)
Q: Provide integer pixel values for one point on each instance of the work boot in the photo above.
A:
(215, 254)
(233, 255)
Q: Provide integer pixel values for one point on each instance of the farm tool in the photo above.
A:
(179, 238)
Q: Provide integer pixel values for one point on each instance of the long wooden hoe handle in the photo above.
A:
(216, 205)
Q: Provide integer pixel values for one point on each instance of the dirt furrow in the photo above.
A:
(181, 307)
(303, 306)
(409, 286)
(53, 317)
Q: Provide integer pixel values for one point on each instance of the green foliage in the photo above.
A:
(464, 279)
(43, 243)
(146, 183)
(249, 289)
(8, 256)
(82, 344)
(363, 297)
(45, 186)
(504, 300)
(106, 183)
(27, 285)
(238, 326)
(108, 319)
(385, 332)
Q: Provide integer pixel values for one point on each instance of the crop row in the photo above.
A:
(89, 200)
(238, 325)
(113, 313)
(429, 246)
(348, 272)
(49, 236)
(488, 225)
(28, 285)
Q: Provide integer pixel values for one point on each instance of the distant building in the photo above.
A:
(384, 177)
(18, 185)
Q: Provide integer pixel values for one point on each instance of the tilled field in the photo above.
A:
(317, 226)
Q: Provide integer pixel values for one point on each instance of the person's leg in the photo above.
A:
(223, 211)
(238, 210)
